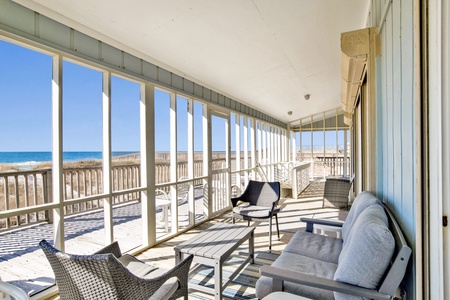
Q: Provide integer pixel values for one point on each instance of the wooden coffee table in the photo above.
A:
(213, 247)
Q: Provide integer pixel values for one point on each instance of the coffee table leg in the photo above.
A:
(218, 280)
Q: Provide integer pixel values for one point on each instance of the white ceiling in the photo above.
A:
(265, 53)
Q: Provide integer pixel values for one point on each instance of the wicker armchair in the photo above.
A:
(336, 192)
(108, 274)
(7, 289)
(262, 198)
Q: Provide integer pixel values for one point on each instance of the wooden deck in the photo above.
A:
(23, 263)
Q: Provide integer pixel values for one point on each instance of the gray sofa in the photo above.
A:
(368, 262)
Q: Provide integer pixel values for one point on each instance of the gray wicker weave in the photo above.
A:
(336, 192)
(262, 198)
(103, 276)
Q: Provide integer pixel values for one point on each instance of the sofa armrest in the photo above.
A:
(310, 223)
(280, 275)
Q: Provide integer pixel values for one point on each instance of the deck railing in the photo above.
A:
(26, 196)
(329, 166)
(82, 182)
(22, 190)
(28, 190)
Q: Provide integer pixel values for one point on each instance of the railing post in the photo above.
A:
(48, 194)
(294, 183)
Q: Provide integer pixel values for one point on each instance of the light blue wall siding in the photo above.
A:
(396, 115)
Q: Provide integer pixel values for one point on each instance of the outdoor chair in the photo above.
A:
(7, 290)
(262, 198)
(182, 192)
(162, 202)
(336, 192)
(108, 274)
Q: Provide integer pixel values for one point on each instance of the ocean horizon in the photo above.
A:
(33, 157)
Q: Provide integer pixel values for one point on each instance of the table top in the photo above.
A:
(217, 241)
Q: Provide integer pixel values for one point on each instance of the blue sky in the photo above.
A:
(24, 92)
(25, 101)
(25, 109)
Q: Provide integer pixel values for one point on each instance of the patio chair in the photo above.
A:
(108, 274)
(162, 201)
(7, 289)
(262, 198)
(336, 192)
(182, 192)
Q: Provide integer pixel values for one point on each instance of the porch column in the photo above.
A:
(147, 130)
(190, 158)
(57, 153)
(173, 163)
(106, 172)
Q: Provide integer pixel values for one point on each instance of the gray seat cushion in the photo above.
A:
(361, 202)
(253, 211)
(316, 246)
(166, 290)
(368, 251)
(302, 264)
(141, 269)
(137, 267)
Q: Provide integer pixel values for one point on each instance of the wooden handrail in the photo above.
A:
(27, 196)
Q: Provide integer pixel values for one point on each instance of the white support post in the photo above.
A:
(324, 146)
(282, 145)
(190, 158)
(207, 162)
(276, 142)
(286, 134)
(293, 136)
(345, 153)
(57, 153)
(259, 141)
(272, 145)
(274, 149)
(294, 182)
(337, 131)
(264, 143)
(312, 147)
(147, 129)
(245, 126)
(228, 162)
(278, 134)
(106, 172)
(253, 146)
(265, 146)
(238, 150)
(270, 151)
(173, 162)
(300, 141)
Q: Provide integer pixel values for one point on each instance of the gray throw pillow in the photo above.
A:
(361, 202)
(366, 256)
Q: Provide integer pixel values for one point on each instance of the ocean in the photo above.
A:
(38, 157)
